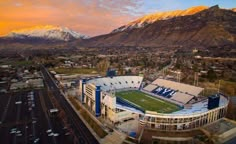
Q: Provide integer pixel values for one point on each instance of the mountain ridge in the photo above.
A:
(151, 18)
(212, 27)
(47, 32)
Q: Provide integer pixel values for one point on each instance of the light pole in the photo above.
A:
(219, 87)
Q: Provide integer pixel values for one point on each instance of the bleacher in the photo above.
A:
(150, 87)
(174, 91)
(182, 97)
(185, 88)
(117, 82)
(200, 106)
(172, 94)
(165, 92)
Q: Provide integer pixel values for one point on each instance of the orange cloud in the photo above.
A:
(91, 17)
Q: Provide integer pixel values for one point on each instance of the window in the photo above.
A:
(126, 82)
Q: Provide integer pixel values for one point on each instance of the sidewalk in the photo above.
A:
(115, 137)
(85, 122)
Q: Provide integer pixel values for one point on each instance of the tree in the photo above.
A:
(103, 65)
(231, 110)
(211, 75)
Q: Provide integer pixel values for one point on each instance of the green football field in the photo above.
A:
(147, 102)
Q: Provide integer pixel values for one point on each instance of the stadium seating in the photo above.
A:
(173, 91)
(178, 92)
(185, 88)
(165, 92)
(182, 97)
(169, 93)
(118, 82)
(150, 87)
(200, 107)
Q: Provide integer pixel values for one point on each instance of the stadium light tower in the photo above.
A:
(178, 76)
(195, 79)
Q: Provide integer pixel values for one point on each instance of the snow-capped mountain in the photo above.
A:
(151, 18)
(48, 32)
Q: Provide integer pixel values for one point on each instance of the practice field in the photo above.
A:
(71, 71)
(147, 102)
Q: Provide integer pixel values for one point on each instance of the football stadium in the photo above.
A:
(163, 104)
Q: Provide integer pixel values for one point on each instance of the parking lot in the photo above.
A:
(25, 118)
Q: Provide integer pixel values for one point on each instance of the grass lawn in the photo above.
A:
(147, 102)
(97, 129)
(75, 70)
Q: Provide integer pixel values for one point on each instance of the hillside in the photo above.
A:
(151, 18)
(212, 27)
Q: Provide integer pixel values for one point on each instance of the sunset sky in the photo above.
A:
(90, 17)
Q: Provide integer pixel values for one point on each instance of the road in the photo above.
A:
(80, 131)
(159, 73)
